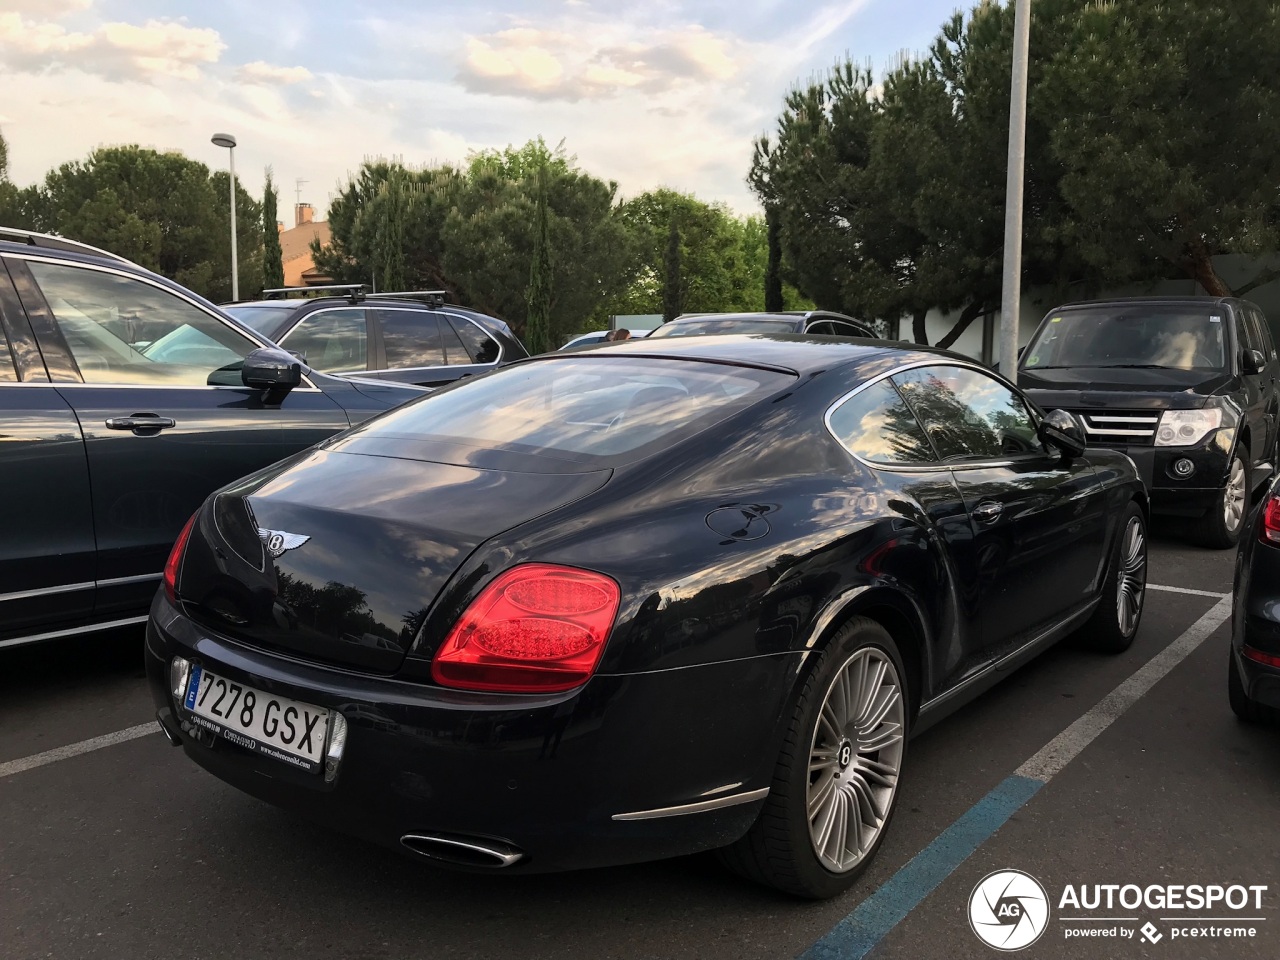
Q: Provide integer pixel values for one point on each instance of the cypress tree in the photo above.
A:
(772, 275)
(671, 298)
(272, 255)
(537, 331)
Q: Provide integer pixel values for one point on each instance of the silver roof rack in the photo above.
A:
(433, 298)
(354, 290)
(51, 242)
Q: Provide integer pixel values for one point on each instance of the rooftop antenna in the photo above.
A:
(297, 189)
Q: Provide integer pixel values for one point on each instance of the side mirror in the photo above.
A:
(1062, 430)
(271, 371)
(1254, 361)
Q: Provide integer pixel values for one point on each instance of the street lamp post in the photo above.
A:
(1011, 291)
(228, 141)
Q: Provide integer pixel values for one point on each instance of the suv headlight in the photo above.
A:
(1186, 428)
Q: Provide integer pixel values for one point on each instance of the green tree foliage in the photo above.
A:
(272, 255)
(161, 210)
(471, 231)
(672, 278)
(773, 270)
(1148, 152)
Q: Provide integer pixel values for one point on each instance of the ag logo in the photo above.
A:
(1008, 910)
(278, 541)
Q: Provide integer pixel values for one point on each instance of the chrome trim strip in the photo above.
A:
(60, 243)
(701, 806)
(1134, 419)
(1117, 432)
(504, 858)
(121, 581)
(243, 330)
(47, 591)
(72, 631)
(929, 467)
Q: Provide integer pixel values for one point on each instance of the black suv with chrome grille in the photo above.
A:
(1186, 386)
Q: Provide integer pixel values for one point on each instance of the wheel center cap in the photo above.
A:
(845, 754)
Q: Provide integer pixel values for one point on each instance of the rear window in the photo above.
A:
(698, 328)
(582, 408)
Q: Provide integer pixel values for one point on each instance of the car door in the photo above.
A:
(47, 550)
(165, 420)
(1038, 523)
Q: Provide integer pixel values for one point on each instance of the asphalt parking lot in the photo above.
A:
(130, 850)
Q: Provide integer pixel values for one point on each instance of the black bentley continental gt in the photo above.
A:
(641, 601)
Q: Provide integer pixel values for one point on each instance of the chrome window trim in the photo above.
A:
(927, 467)
(72, 631)
(700, 806)
(249, 334)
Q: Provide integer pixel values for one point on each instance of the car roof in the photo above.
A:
(1151, 300)
(700, 317)
(796, 352)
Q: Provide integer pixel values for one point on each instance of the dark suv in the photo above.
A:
(412, 337)
(1186, 386)
(124, 401)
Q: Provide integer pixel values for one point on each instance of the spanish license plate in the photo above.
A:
(273, 726)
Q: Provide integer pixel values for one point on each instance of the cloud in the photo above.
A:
(575, 65)
(265, 73)
(47, 8)
(116, 51)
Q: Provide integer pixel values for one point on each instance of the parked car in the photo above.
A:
(598, 336)
(411, 337)
(126, 399)
(819, 322)
(623, 604)
(1253, 673)
(1186, 386)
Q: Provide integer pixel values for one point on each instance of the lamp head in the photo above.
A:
(224, 140)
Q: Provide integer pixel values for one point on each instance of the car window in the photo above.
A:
(969, 415)
(124, 330)
(481, 347)
(411, 338)
(455, 351)
(877, 425)
(699, 328)
(848, 330)
(1175, 336)
(820, 326)
(331, 341)
(8, 371)
(582, 406)
(1246, 331)
(265, 320)
(1259, 334)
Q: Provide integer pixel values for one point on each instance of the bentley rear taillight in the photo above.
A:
(538, 628)
(175, 560)
(1271, 520)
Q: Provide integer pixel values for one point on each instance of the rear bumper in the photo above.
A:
(546, 775)
(1175, 496)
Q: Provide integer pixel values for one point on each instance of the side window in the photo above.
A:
(968, 415)
(848, 330)
(482, 347)
(331, 341)
(1266, 342)
(819, 327)
(876, 425)
(411, 338)
(455, 351)
(124, 330)
(1246, 329)
(8, 371)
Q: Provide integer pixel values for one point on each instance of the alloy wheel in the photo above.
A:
(1132, 575)
(855, 759)
(1233, 496)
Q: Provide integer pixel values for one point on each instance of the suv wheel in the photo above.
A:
(1220, 527)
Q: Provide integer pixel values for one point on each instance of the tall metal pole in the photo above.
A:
(235, 261)
(1011, 291)
(228, 141)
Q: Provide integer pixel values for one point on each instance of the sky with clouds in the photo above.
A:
(660, 93)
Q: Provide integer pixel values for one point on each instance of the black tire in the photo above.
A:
(1106, 631)
(1250, 711)
(778, 850)
(1212, 530)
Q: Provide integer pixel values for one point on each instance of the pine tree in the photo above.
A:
(272, 255)
(671, 294)
(772, 274)
(539, 295)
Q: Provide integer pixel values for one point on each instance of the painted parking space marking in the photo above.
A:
(77, 749)
(871, 921)
(1187, 590)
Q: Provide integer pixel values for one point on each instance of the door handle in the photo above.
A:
(987, 512)
(140, 423)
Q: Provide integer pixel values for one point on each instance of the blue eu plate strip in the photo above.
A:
(193, 686)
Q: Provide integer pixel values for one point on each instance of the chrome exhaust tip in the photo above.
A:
(463, 851)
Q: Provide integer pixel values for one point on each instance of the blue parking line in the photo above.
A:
(857, 934)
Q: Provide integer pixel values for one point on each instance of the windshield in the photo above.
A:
(265, 320)
(698, 328)
(1176, 337)
(582, 406)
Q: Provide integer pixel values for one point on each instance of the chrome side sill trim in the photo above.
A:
(47, 591)
(121, 581)
(700, 807)
(72, 631)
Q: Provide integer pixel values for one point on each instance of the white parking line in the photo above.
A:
(1043, 765)
(1066, 746)
(76, 749)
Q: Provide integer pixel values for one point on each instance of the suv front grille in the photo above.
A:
(1120, 427)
